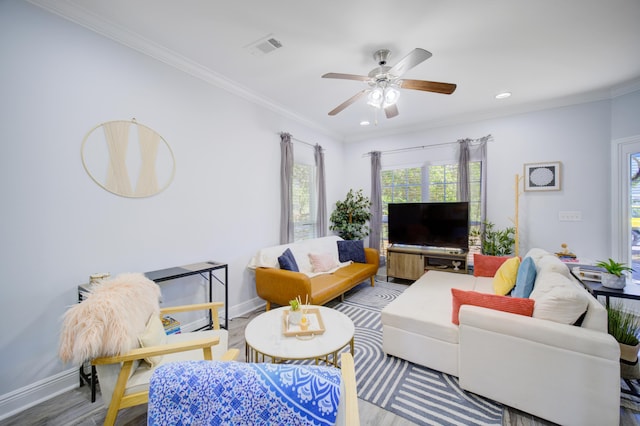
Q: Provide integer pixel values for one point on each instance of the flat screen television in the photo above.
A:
(441, 225)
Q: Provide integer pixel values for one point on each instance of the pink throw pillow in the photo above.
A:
(322, 262)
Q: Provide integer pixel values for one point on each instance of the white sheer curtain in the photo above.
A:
(286, 189)
(375, 222)
(321, 215)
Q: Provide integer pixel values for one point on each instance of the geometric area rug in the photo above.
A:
(417, 393)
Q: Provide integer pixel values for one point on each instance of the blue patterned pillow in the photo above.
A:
(351, 250)
(525, 279)
(288, 262)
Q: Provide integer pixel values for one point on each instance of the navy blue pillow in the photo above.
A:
(351, 250)
(288, 262)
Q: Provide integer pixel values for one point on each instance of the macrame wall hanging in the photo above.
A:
(128, 159)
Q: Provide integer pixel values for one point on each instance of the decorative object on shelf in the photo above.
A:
(497, 242)
(133, 170)
(615, 273)
(624, 326)
(96, 278)
(565, 254)
(542, 176)
(351, 215)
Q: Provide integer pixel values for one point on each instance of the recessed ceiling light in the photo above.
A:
(503, 95)
(364, 123)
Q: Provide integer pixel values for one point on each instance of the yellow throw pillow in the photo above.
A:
(505, 278)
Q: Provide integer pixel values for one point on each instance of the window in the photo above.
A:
(443, 186)
(437, 183)
(398, 186)
(304, 201)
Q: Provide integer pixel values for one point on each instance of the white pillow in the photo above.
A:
(153, 335)
(563, 304)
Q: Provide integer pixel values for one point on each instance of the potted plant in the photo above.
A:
(624, 326)
(351, 215)
(614, 275)
(295, 313)
(497, 242)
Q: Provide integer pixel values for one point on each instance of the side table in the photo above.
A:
(630, 291)
(264, 338)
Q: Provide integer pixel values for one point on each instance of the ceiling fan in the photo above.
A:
(385, 81)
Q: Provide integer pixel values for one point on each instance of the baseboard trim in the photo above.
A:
(26, 397)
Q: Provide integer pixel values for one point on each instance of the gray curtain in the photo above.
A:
(286, 189)
(463, 170)
(482, 147)
(321, 216)
(376, 202)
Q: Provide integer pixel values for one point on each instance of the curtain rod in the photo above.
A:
(394, 151)
(313, 145)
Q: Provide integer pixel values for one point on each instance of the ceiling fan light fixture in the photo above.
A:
(391, 96)
(376, 97)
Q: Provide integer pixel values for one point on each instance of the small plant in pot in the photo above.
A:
(295, 313)
(615, 273)
(624, 326)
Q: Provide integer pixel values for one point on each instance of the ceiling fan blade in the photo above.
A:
(391, 111)
(346, 76)
(415, 57)
(429, 86)
(348, 102)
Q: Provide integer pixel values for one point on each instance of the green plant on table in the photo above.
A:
(623, 325)
(613, 267)
(295, 304)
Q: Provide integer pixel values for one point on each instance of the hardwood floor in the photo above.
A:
(74, 408)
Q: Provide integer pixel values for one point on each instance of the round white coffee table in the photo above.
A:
(264, 338)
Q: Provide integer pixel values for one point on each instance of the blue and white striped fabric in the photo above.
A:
(234, 393)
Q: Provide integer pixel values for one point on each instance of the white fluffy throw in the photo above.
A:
(109, 321)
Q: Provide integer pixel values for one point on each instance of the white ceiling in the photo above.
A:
(546, 52)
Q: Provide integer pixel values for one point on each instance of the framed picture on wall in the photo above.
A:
(542, 176)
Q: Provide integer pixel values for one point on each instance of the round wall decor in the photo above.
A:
(128, 158)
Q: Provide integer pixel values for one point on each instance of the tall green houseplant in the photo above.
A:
(497, 242)
(350, 217)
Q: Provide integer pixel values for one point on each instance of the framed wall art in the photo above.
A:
(542, 176)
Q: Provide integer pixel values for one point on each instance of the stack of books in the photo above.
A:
(567, 256)
(171, 325)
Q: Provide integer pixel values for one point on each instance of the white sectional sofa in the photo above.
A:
(541, 364)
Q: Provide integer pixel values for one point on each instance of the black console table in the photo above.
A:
(163, 275)
(630, 291)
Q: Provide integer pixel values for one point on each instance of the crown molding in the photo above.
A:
(78, 15)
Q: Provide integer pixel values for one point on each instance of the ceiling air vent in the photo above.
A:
(264, 46)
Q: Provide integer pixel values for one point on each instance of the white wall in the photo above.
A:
(58, 81)
(578, 136)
